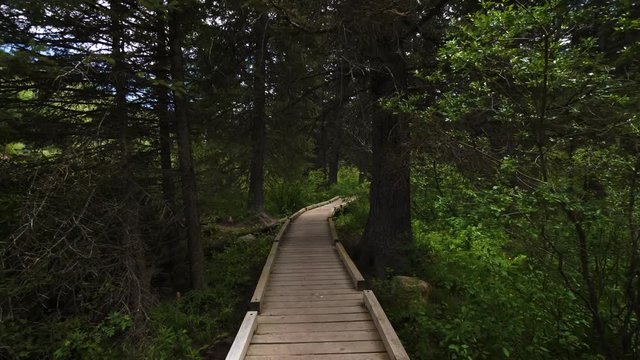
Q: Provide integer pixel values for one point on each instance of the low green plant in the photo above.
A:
(96, 342)
(199, 318)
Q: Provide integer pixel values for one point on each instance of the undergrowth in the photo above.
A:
(181, 328)
(485, 302)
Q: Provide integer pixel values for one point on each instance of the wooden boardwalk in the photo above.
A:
(307, 302)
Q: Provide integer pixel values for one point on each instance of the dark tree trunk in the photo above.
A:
(335, 128)
(322, 139)
(136, 280)
(334, 165)
(164, 119)
(259, 124)
(185, 155)
(387, 235)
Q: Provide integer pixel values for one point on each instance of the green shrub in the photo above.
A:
(96, 342)
(201, 317)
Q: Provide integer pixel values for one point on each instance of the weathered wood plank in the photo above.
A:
(314, 318)
(311, 291)
(315, 337)
(316, 261)
(309, 283)
(316, 348)
(309, 273)
(308, 254)
(285, 298)
(264, 279)
(308, 304)
(243, 338)
(307, 327)
(319, 287)
(389, 337)
(310, 268)
(359, 356)
(266, 310)
(356, 276)
(311, 276)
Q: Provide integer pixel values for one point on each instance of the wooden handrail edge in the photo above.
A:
(258, 294)
(352, 269)
(282, 230)
(333, 231)
(243, 338)
(389, 337)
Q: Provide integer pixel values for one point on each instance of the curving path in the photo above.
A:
(311, 308)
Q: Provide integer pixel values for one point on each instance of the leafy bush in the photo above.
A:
(94, 343)
(201, 317)
(286, 196)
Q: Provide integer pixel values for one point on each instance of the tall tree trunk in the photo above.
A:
(387, 235)
(164, 119)
(322, 140)
(137, 280)
(335, 127)
(259, 124)
(334, 164)
(185, 153)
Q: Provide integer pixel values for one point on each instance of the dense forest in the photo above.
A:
(492, 147)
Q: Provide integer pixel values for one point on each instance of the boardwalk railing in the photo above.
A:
(309, 301)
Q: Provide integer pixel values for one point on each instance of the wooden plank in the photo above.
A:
(358, 279)
(307, 327)
(283, 229)
(304, 236)
(285, 298)
(291, 267)
(301, 270)
(309, 304)
(333, 231)
(264, 279)
(389, 337)
(328, 272)
(316, 348)
(243, 338)
(327, 250)
(324, 250)
(359, 356)
(319, 261)
(329, 258)
(315, 337)
(266, 310)
(307, 264)
(310, 291)
(342, 271)
(314, 318)
(309, 254)
(346, 286)
(311, 276)
(309, 283)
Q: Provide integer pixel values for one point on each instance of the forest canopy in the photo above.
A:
(492, 149)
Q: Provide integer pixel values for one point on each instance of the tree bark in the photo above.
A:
(259, 124)
(136, 281)
(162, 108)
(335, 128)
(185, 153)
(387, 235)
